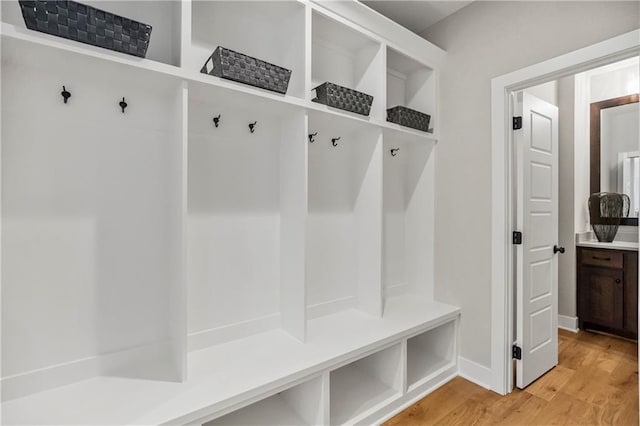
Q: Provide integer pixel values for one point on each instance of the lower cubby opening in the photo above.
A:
(429, 353)
(300, 405)
(360, 387)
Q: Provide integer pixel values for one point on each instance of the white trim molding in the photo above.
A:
(568, 323)
(615, 49)
(476, 373)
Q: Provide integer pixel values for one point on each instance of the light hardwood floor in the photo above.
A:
(595, 383)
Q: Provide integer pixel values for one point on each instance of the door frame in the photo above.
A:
(502, 259)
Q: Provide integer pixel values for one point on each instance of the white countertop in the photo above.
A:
(615, 245)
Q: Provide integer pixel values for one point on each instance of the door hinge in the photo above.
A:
(517, 237)
(517, 123)
(516, 352)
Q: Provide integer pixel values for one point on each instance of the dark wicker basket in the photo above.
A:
(232, 65)
(343, 98)
(409, 118)
(86, 24)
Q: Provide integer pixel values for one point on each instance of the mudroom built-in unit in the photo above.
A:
(181, 248)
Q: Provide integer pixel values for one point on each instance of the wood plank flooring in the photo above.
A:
(595, 383)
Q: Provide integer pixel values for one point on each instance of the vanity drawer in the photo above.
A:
(605, 258)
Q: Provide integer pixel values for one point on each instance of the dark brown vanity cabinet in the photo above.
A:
(608, 291)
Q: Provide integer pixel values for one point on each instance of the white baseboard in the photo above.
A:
(331, 307)
(215, 336)
(568, 323)
(152, 361)
(476, 373)
(396, 290)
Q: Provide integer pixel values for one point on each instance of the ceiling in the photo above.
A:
(417, 15)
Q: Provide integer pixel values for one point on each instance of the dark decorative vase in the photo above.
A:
(605, 211)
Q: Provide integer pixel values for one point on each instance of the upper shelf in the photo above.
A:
(163, 16)
(30, 43)
(283, 359)
(346, 57)
(338, 51)
(273, 31)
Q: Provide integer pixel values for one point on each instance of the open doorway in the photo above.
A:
(588, 285)
(610, 51)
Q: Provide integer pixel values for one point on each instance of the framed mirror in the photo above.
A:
(615, 159)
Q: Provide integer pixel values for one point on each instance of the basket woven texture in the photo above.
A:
(409, 118)
(343, 98)
(232, 65)
(86, 24)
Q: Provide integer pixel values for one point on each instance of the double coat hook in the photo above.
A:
(394, 151)
(334, 141)
(65, 94)
(123, 104)
(312, 137)
(216, 120)
(252, 126)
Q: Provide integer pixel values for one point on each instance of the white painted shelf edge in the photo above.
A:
(23, 34)
(333, 341)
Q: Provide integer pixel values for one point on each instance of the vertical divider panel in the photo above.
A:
(185, 30)
(179, 289)
(308, 45)
(326, 398)
(1, 198)
(404, 387)
(293, 215)
(368, 217)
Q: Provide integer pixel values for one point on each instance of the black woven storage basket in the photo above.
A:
(232, 65)
(344, 98)
(86, 24)
(409, 118)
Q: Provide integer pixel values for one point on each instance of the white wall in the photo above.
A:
(484, 40)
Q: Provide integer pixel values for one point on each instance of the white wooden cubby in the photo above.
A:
(302, 404)
(159, 269)
(430, 352)
(408, 216)
(360, 386)
(347, 57)
(410, 83)
(343, 222)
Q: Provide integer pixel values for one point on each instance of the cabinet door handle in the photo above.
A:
(601, 258)
(618, 280)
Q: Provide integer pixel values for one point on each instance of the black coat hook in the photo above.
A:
(65, 94)
(334, 141)
(216, 120)
(312, 137)
(123, 105)
(252, 126)
(394, 151)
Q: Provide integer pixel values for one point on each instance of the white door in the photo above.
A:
(537, 219)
